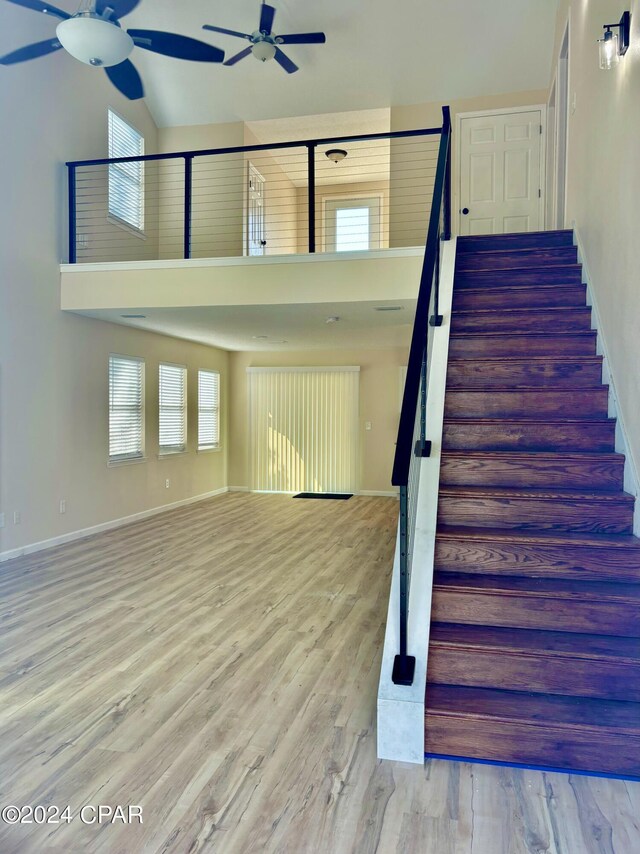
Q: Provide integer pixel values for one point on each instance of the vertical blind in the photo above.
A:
(304, 429)
(208, 409)
(126, 180)
(126, 407)
(173, 408)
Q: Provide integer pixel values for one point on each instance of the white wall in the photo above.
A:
(603, 187)
(53, 439)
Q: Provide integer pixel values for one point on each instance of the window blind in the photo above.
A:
(173, 408)
(126, 180)
(126, 407)
(208, 409)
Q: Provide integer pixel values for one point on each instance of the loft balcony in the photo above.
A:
(312, 221)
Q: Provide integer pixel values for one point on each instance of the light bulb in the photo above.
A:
(608, 47)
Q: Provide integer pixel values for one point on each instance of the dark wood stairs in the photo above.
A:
(534, 652)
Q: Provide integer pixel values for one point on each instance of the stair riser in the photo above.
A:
(494, 346)
(591, 403)
(532, 240)
(615, 517)
(614, 679)
(537, 561)
(516, 259)
(528, 298)
(533, 472)
(476, 436)
(538, 320)
(533, 612)
(527, 744)
(562, 275)
(550, 374)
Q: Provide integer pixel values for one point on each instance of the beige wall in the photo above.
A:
(603, 186)
(53, 415)
(379, 404)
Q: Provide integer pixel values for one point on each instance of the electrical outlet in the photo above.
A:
(17, 518)
(63, 505)
(367, 425)
(167, 483)
(1, 520)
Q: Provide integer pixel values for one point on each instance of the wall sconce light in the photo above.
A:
(336, 154)
(614, 45)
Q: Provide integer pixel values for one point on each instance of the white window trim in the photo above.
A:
(170, 450)
(121, 460)
(204, 449)
(349, 197)
(113, 218)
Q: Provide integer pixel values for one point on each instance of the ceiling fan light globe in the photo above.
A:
(263, 51)
(94, 41)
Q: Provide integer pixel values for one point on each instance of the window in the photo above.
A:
(173, 409)
(126, 408)
(352, 224)
(208, 410)
(126, 180)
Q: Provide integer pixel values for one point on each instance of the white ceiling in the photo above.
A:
(378, 53)
(302, 327)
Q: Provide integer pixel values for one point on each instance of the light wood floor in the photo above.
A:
(218, 665)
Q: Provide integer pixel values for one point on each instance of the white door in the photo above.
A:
(501, 173)
(256, 237)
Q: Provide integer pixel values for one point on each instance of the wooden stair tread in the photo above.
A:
(523, 456)
(514, 420)
(530, 360)
(536, 642)
(537, 493)
(464, 312)
(543, 588)
(549, 538)
(536, 709)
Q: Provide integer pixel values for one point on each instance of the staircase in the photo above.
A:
(534, 656)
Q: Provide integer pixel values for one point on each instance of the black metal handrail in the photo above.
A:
(190, 158)
(412, 443)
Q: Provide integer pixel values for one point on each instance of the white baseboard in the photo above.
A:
(379, 493)
(631, 470)
(106, 526)
(239, 489)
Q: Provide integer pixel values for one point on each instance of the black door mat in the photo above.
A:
(339, 496)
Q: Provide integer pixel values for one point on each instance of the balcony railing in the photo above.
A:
(263, 199)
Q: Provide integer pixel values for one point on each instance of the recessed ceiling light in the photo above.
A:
(333, 319)
(259, 337)
(132, 316)
(388, 308)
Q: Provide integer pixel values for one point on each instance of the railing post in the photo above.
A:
(72, 214)
(447, 177)
(188, 173)
(403, 665)
(436, 318)
(311, 168)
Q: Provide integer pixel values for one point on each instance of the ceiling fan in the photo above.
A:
(264, 44)
(95, 36)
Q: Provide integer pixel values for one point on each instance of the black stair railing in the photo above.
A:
(412, 444)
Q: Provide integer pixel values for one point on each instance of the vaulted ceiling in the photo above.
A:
(378, 53)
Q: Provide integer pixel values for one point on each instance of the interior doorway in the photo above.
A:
(558, 138)
(501, 171)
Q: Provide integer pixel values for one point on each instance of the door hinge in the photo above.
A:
(540, 126)
(539, 194)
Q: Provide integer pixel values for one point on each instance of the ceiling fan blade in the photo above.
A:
(179, 47)
(283, 60)
(226, 32)
(31, 51)
(37, 6)
(125, 78)
(267, 14)
(303, 38)
(239, 56)
(120, 7)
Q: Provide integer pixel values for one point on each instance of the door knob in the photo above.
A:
(465, 211)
